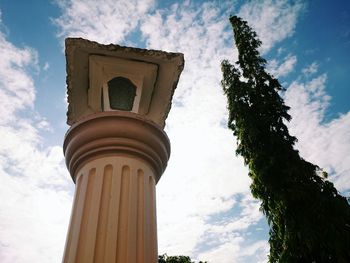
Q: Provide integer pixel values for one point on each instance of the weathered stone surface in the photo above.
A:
(78, 51)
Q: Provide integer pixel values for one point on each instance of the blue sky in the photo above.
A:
(204, 206)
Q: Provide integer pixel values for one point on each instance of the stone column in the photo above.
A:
(115, 159)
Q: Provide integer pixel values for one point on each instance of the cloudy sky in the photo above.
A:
(205, 209)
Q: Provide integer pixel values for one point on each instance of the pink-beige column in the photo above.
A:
(115, 159)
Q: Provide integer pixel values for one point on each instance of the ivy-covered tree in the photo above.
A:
(309, 220)
(175, 259)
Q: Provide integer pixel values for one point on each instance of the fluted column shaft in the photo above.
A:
(114, 212)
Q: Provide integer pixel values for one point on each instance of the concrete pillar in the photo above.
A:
(115, 159)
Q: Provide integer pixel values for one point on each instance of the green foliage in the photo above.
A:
(309, 221)
(175, 259)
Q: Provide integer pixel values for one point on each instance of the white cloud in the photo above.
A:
(323, 143)
(106, 22)
(311, 69)
(273, 20)
(233, 251)
(46, 66)
(17, 88)
(225, 253)
(203, 174)
(34, 186)
(227, 236)
(284, 68)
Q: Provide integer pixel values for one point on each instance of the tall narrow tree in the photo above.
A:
(309, 221)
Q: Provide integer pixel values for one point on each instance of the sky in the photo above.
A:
(204, 206)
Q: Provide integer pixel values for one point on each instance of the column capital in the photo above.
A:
(116, 133)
